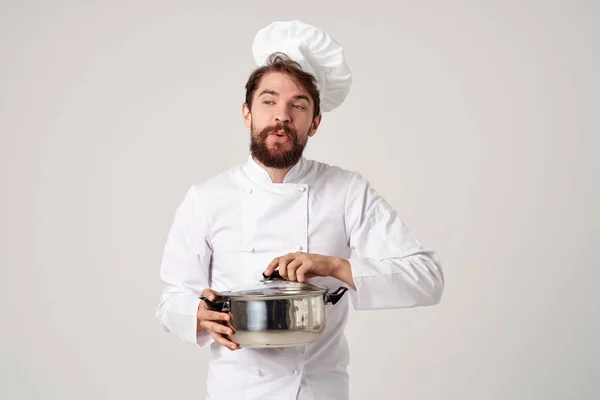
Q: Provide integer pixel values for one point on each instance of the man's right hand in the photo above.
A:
(218, 324)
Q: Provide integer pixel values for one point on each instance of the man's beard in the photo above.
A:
(276, 157)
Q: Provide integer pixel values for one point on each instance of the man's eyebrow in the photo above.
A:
(269, 91)
(302, 96)
(274, 93)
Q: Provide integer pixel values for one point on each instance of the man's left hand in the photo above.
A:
(302, 266)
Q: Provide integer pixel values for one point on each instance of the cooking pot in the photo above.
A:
(276, 312)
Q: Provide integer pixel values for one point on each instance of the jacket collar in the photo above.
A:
(259, 174)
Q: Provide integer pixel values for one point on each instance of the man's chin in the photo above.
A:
(279, 152)
(280, 156)
(278, 159)
(279, 148)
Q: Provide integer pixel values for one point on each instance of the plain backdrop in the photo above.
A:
(476, 120)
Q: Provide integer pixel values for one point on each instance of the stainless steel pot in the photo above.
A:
(276, 312)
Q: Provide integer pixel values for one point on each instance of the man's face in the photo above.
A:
(280, 122)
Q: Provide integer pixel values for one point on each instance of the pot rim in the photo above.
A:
(275, 287)
(316, 291)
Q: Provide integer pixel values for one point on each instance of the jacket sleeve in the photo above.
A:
(391, 268)
(184, 271)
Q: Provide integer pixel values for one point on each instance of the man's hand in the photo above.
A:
(302, 266)
(218, 324)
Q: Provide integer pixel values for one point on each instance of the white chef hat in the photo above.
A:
(316, 52)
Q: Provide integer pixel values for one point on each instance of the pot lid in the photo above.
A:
(275, 286)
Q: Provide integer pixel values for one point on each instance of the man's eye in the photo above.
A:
(268, 102)
(298, 106)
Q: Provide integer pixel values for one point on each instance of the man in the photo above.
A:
(279, 210)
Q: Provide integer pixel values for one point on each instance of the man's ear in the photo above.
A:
(315, 125)
(246, 115)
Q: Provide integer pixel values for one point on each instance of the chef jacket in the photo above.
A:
(228, 228)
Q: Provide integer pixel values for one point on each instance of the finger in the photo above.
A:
(271, 267)
(292, 268)
(283, 262)
(209, 294)
(213, 326)
(229, 323)
(217, 316)
(304, 275)
(305, 271)
(208, 314)
(224, 341)
(205, 313)
(224, 331)
(301, 274)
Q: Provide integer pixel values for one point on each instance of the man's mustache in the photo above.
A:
(278, 127)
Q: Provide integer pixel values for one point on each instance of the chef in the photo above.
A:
(279, 210)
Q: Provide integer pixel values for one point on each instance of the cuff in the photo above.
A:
(358, 268)
(181, 320)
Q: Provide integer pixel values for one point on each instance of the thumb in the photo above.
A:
(209, 294)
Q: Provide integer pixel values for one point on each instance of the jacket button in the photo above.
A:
(249, 191)
(301, 189)
(251, 249)
(297, 247)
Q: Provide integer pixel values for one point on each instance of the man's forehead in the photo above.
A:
(280, 84)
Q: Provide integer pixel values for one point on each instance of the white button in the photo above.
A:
(296, 372)
(301, 189)
(251, 249)
(249, 191)
(297, 247)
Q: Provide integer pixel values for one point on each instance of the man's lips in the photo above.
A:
(279, 136)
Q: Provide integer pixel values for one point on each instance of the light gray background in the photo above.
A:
(477, 120)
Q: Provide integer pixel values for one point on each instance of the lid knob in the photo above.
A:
(274, 275)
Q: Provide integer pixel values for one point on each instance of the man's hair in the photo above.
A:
(280, 62)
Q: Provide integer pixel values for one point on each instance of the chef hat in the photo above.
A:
(316, 52)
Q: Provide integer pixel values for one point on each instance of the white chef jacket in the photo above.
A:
(229, 227)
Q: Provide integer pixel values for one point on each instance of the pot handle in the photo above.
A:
(219, 305)
(335, 296)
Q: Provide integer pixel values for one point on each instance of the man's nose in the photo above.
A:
(282, 115)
